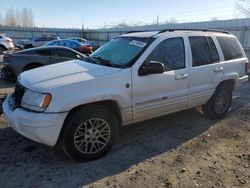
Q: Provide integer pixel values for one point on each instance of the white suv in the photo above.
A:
(6, 43)
(138, 76)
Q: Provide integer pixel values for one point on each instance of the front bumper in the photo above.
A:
(41, 127)
(10, 46)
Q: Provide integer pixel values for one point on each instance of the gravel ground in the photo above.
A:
(184, 149)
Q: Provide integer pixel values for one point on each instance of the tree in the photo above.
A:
(214, 19)
(10, 19)
(17, 15)
(27, 18)
(1, 19)
(13, 17)
(243, 7)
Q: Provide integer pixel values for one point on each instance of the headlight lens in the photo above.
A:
(35, 101)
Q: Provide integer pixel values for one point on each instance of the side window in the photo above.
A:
(43, 52)
(214, 52)
(230, 48)
(201, 51)
(171, 52)
(64, 53)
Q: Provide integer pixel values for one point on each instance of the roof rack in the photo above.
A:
(137, 31)
(203, 30)
(172, 30)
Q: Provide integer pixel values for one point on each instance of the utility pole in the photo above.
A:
(157, 20)
(82, 28)
(82, 23)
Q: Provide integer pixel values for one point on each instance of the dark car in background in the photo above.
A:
(17, 62)
(36, 41)
(85, 41)
(78, 46)
(77, 39)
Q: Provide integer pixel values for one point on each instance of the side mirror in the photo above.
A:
(152, 67)
(78, 57)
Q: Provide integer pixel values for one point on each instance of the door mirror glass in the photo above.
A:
(78, 57)
(152, 67)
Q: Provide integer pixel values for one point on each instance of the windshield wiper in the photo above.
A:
(103, 61)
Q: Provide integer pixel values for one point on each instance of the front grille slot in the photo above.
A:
(18, 94)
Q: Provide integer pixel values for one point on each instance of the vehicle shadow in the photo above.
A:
(24, 163)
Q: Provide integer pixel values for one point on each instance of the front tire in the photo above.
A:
(219, 104)
(88, 133)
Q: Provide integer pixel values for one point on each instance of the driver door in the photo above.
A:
(158, 94)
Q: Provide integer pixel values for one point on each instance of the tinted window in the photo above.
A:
(201, 51)
(64, 53)
(170, 52)
(230, 48)
(213, 50)
(43, 52)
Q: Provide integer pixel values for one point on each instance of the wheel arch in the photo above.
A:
(229, 83)
(112, 105)
(2, 45)
(32, 64)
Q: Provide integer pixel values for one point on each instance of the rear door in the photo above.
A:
(41, 56)
(207, 69)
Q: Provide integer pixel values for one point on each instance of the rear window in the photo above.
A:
(64, 53)
(230, 48)
(44, 52)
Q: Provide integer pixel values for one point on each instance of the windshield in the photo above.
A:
(121, 51)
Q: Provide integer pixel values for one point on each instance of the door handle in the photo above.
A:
(181, 76)
(218, 69)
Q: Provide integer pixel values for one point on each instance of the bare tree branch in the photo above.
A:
(243, 7)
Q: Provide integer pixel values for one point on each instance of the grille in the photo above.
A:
(17, 95)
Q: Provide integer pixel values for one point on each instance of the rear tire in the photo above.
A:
(88, 133)
(219, 104)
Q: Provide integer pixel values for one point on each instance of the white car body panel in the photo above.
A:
(72, 84)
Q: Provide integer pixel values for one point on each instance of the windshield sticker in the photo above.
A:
(138, 43)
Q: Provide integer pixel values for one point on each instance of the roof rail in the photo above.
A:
(203, 30)
(137, 31)
(172, 30)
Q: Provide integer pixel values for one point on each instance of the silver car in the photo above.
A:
(6, 43)
(17, 62)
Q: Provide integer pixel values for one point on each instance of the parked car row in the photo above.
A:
(40, 51)
(80, 105)
(82, 47)
(17, 62)
(78, 44)
(36, 41)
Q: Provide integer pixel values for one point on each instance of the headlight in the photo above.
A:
(35, 101)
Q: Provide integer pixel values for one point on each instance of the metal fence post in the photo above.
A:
(242, 36)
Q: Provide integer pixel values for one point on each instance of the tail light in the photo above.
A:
(246, 66)
(87, 48)
(8, 40)
(6, 58)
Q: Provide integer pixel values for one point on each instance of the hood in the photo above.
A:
(44, 78)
